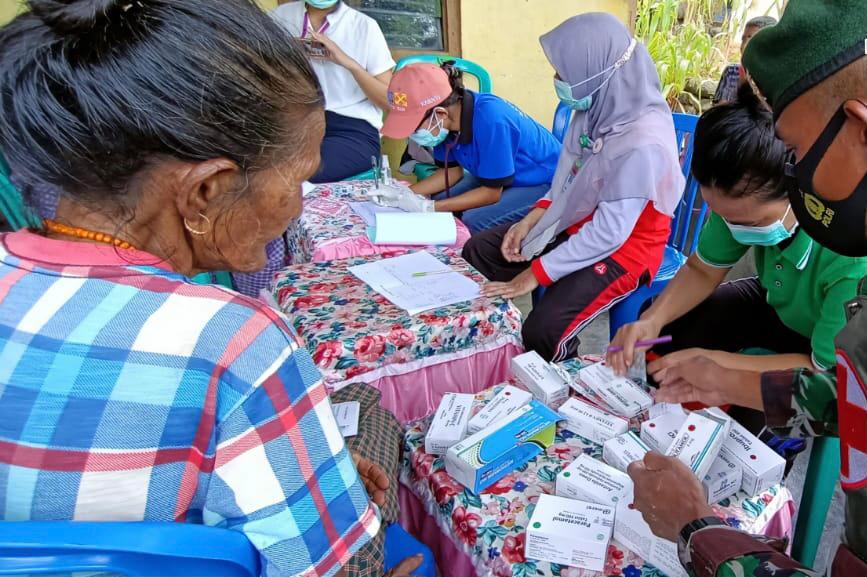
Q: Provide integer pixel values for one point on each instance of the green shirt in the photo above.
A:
(807, 284)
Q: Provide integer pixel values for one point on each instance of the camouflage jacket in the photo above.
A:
(804, 403)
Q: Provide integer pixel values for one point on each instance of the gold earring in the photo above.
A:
(198, 232)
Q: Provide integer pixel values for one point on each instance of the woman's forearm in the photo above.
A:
(374, 87)
(482, 196)
(692, 284)
(436, 182)
(762, 363)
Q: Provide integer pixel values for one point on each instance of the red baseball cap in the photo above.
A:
(413, 90)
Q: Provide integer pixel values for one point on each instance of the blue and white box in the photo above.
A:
(699, 440)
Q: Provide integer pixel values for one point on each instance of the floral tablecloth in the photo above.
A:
(490, 528)
(355, 334)
(329, 229)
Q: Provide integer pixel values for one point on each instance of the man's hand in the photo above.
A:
(375, 479)
(520, 285)
(660, 367)
(667, 494)
(406, 567)
(335, 53)
(701, 379)
(626, 337)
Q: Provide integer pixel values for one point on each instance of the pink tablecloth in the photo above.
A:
(484, 534)
(354, 334)
(329, 229)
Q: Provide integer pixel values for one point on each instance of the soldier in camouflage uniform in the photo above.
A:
(812, 71)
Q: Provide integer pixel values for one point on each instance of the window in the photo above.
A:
(415, 25)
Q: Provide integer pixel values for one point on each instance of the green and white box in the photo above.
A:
(569, 532)
(504, 403)
(723, 480)
(591, 422)
(659, 433)
(699, 440)
(449, 425)
(625, 397)
(541, 378)
(622, 450)
(588, 479)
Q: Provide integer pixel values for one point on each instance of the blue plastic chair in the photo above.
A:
(399, 545)
(482, 76)
(823, 473)
(135, 548)
(562, 116)
(685, 229)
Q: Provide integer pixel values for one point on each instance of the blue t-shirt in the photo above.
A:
(500, 145)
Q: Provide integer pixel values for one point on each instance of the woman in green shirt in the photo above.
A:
(794, 307)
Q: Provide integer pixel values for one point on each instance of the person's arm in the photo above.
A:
(693, 283)
(436, 183)
(718, 551)
(481, 196)
(374, 87)
(737, 361)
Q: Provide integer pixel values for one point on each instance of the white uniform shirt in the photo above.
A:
(359, 36)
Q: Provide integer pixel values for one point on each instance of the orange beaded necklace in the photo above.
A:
(83, 233)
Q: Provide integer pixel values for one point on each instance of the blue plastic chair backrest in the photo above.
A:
(12, 204)
(689, 218)
(135, 548)
(562, 116)
(467, 66)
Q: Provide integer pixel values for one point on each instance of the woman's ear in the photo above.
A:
(203, 183)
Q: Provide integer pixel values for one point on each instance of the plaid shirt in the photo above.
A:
(128, 393)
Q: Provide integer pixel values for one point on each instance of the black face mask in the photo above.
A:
(836, 224)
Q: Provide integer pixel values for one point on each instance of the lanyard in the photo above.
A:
(305, 27)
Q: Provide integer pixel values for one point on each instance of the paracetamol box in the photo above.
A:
(449, 424)
(568, 532)
(624, 396)
(504, 403)
(760, 465)
(482, 459)
(543, 380)
(723, 480)
(588, 479)
(660, 432)
(699, 440)
(591, 422)
(622, 450)
(632, 532)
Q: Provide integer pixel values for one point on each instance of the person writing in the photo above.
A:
(509, 158)
(602, 228)
(794, 307)
(812, 70)
(127, 392)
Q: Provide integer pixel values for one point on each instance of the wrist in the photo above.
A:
(745, 388)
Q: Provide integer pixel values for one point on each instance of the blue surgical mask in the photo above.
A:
(770, 235)
(425, 136)
(564, 89)
(321, 4)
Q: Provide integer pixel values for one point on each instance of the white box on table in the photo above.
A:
(484, 458)
(588, 479)
(762, 466)
(449, 425)
(622, 450)
(699, 440)
(632, 532)
(660, 432)
(623, 395)
(504, 403)
(540, 377)
(659, 409)
(591, 422)
(569, 532)
(723, 480)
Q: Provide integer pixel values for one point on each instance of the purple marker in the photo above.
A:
(644, 344)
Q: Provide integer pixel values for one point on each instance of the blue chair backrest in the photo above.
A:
(12, 204)
(688, 218)
(135, 548)
(562, 116)
(483, 77)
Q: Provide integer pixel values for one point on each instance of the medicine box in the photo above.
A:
(588, 479)
(624, 396)
(591, 422)
(761, 466)
(723, 480)
(660, 432)
(632, 532)
(568, 532)
(540, 378)
(449, 425)
(484, 458)
(622, 450)
(699, 440)
(504, 403)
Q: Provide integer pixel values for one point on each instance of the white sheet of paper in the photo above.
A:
(307, 188)
(436, 285)
(346, 415)
(368, 211)
(415, 228)
(535, 247)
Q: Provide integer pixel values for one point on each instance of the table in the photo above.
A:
(484, 534)
(354, 334)
(328, 229)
